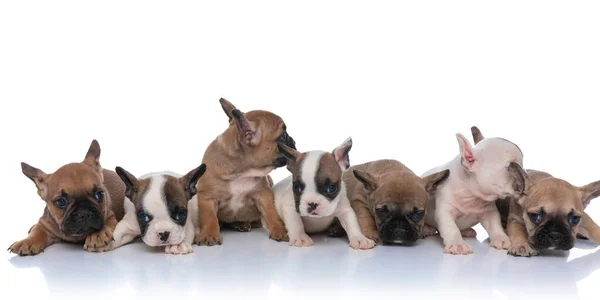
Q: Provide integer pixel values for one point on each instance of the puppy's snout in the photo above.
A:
(312, 207)
(164, 236)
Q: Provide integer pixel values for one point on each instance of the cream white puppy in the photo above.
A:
(314, 195)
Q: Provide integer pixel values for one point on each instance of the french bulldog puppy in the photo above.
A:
(83, 205)
(549, 213)
(236, 187)
(158, 209)
(478, 177)
(314, 195)
(390, 200)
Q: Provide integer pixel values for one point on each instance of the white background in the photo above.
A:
(401, 78)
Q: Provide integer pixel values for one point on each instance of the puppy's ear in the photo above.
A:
(92, 158)
(246, 131)
(342, 154)
(432, 181)
(131, 182)
(369, 182)
(466, 152)
(477, 135)
(190, 180)
(521, 180)
(38, 177)
(589, 192)
(289, 153)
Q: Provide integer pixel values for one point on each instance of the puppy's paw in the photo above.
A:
(501, 242)
(26, 247)
(208, 239)
(279, 235)
(458, 247)
(469, 233)
(374, 236)
(429, 231)
(523, 250)
(301, 240)
(183, 248)
(100, 241)
(241, 226)
(361, 243)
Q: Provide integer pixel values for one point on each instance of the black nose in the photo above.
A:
(312, 207)
(555, 235)
(164, 236)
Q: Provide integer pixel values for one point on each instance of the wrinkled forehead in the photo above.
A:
(408, 194)
(554, 195)
(163, 188)
(328, 169)
(74, 177)
(500, 150)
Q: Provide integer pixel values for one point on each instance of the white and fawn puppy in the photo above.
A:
(478, 177)
(314, 195)
(158, 209)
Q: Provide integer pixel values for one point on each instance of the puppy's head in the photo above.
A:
(487, 163)
(160, 202)
(552, 208)
(399, 203)
(317, 178)
(75, 195)
(258, 132)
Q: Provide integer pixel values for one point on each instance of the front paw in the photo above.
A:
(183, 248)
(429, 231)
(26, 247)
(279, 235)
(301, 240)
(523, 250)
(99, 241)
(458, 247)
(241, 226)
(204, 239)
(361, 242)
(500, 242)
(374, 236)
(469, 233)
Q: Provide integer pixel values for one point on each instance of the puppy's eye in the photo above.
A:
(574, 220)
(332, 189)
(417, 215)
(60, 202)
(297, 187)
(382, 211)
(535, 217)
(144, 218)
(179, 216)
(99, 195)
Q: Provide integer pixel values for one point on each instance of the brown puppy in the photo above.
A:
(83, 203)
(390, 200)
(549, 213)
(235, 187)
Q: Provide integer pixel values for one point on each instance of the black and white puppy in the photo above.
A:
(157, 209)
(311, 199)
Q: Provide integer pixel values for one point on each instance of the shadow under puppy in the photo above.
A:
(236, 188)
(83, 205)
(390, 200)
(158, 209)
(314, 195)
(478, 177)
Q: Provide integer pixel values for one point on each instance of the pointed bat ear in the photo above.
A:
(589, 192)
(190, 180)
(477, 135)
(131, 182)
(521, 180)
(369, 182)
(466, 152)
(227, 107)
(434, 180)
(92, 158)
(342, 154)
(38, 177)
(242, 123)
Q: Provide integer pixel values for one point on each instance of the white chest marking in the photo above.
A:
(243, 185)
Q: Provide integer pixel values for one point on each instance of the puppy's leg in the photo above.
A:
(100, 241)
(126, 230)
(349, 221)
(265, 201)
(468, 233)
(492, 223)
(366, 221)
(35, 243)
(209, 232)
(589, 228)
(184, 247)
(519, 240)
(453, 241)
(429, 231)
(336, 230)
(295, 227)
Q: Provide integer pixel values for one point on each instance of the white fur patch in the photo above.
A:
(308, 172)
(244, 184)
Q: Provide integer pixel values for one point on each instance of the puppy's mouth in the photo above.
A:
(83, 220)
(554, 235)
